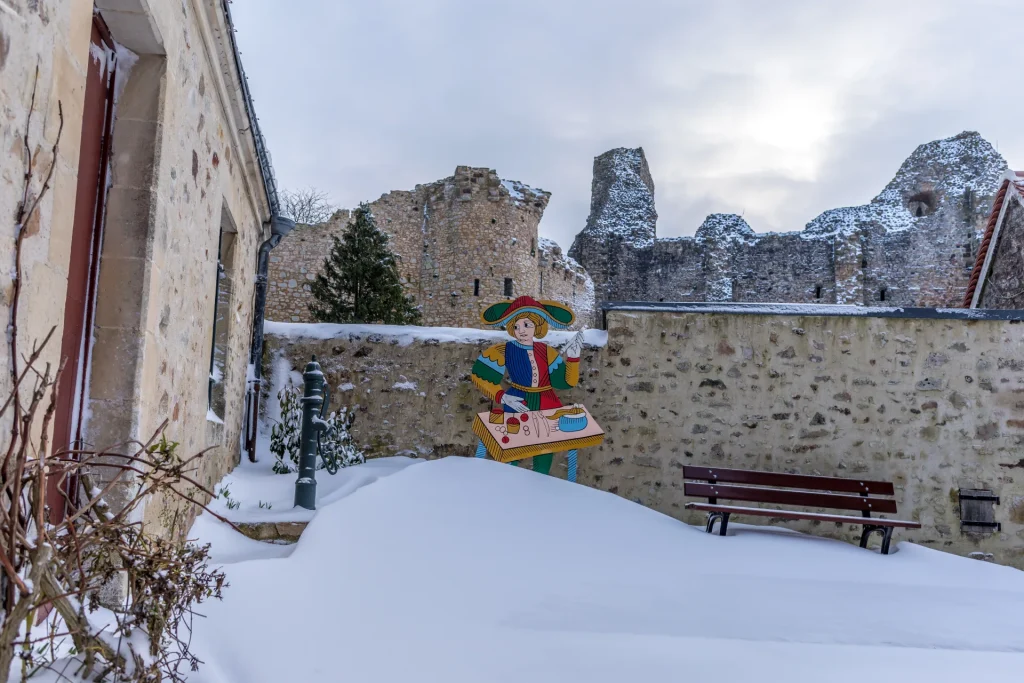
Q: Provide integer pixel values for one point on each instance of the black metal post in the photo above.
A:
(312, 425)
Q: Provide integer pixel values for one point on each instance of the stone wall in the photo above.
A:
(182, 171)
(53, 38)
(930, 403)
(912, 245)
(1003, 286)
(458, 241)
(293, 266)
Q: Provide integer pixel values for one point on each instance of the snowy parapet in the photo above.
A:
(723, 228)
(963, 163)
(522, 194)
(564, 279)
(938, 172)
(404, 335)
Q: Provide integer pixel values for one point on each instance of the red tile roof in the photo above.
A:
(986, 241)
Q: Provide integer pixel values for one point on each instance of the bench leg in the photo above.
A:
(886, 538)
(886, 532)
(722, 518)
(866, 534)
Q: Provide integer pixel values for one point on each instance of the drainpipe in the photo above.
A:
(279, 227)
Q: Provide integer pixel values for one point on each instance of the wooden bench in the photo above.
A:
(799, 490)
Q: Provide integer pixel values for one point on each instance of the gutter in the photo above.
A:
(279, 227)
(262, 153)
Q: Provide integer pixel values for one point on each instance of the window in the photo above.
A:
(542, 282)
(533, 246)
(882, 293)
(863, 263)
(817, 292)
(508, 286)
(221, 318)
(476, 287)
(978, 510)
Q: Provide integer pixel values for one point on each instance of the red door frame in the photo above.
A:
(83, 266)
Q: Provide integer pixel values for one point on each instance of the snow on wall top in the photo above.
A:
(828, 310)
(938, 172)
(553, 251)
(521, 193)
(725, 227)
(622, 197)
(404, 335)
(954, 165)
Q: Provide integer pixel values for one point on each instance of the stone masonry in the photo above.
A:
(912, 245)
(932, 404)
(183, 177)
(463, 243)
(1001, 273)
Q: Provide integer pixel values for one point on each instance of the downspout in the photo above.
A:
(279, 227)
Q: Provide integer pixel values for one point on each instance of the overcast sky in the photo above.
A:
(776, 110)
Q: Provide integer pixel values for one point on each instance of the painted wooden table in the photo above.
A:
(537, 435)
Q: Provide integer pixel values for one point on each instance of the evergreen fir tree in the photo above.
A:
(359, 279)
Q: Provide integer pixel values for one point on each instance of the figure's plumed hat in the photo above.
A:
(558, 316)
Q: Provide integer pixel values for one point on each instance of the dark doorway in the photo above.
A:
(85, 242)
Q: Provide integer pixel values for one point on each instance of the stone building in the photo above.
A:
(998, 277)
(141, 254)
(912, 245)
(463, 243)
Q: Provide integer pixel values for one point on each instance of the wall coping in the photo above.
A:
(404, 335)
(821, 310)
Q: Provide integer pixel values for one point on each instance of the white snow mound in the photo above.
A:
(464, 570)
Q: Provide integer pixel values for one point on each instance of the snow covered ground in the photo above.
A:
(464, 570)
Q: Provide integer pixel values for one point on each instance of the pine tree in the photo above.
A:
(359, 279)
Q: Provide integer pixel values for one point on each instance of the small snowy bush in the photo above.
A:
(336, 446)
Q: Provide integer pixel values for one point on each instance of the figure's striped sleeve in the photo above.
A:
(489, 370)
(564, 373)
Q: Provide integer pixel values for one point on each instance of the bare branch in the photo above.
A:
(308, 206)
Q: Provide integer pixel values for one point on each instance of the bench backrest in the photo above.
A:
(803, 490)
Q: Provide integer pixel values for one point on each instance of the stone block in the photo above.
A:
(133, 155)
(120, 293)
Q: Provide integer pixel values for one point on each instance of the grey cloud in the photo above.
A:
(779, 110)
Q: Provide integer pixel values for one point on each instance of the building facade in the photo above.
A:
(462, 243)
(142, 251)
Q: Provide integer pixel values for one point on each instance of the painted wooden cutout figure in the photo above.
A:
(528, 419)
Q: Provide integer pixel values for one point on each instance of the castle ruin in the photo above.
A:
(463, 243)
(912, 245)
